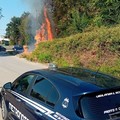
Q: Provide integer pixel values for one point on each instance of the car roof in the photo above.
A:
(87, 78)
(66, 81)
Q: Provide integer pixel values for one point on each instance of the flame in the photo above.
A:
(48, 25)
(45, 31)
(40, 34)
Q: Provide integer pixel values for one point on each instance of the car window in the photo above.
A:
(44, 91)
(102, 105)
(52, 97)
(23, 83)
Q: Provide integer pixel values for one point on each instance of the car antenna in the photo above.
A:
(97, 71)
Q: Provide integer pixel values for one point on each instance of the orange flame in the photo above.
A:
(40, 34)
(45, 31)
(48, 25)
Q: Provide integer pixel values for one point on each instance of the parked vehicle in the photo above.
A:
(18, 48)
(58, 95)
(2, 48)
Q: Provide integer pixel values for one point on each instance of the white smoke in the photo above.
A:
(36, 12)
(35, 6)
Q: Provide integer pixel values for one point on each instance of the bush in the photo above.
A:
(44, 57)
(91, 49)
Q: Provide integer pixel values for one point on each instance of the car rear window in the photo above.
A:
(101, 106)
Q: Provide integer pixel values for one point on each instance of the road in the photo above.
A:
(13, 66)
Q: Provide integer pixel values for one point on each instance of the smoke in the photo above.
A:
(35, 6)
(36, 17)
(36, 12)
(36, 9)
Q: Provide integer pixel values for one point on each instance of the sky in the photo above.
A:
(11, 8)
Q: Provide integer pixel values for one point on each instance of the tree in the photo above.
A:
(18, 30)
(109, 11)
(71, 16)
(12, 30)
(24, 29)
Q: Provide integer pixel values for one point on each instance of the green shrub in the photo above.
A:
(62, 62)
(90, 49)
(45, 57)
(113, 69)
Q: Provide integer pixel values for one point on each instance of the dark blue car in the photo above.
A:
(18, 49)
(2, 48)
(61, 94)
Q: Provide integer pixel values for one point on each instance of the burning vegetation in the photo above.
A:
(45, 32)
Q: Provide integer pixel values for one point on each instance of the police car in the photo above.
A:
(56, 95)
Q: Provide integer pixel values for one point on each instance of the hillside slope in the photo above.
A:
(98, 49)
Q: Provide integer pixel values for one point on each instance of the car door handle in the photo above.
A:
(18, 99)
(38, 112)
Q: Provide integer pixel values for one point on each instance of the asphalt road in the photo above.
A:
(13, 66)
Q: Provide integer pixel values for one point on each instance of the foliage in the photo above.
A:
(18, 29)
(96, 49)
(24, 29)
(72, 17)
(45, 57)
(12, 30)
(113, 70)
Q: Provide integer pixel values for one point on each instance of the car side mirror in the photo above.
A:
(8, 85)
